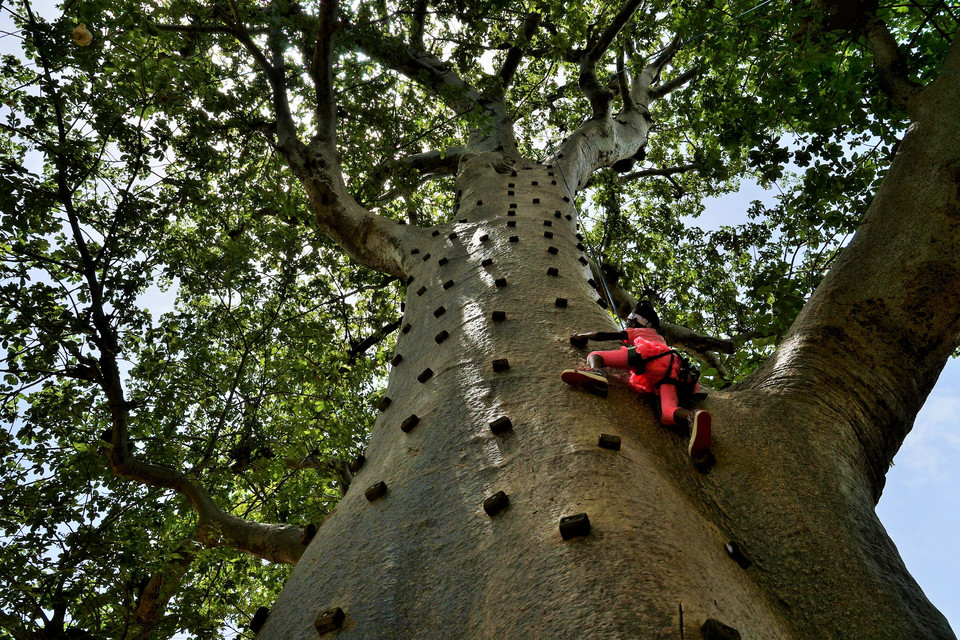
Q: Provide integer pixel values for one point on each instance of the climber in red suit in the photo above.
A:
(654, 368)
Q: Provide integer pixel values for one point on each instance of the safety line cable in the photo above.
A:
(591, 250)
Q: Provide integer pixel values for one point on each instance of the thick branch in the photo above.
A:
(889, 63)
(711, 359)
(161, 587)
(439, 78)
(286, 127)
(420, 66)
(419, 25)
(623, 81)
(694, 342)
(216, 527)
(203, 28)
(888, 60)
(592, 88)
(321, 70)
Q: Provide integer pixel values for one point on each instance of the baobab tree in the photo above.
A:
(457, 520)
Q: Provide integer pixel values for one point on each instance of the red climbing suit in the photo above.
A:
(648, 343)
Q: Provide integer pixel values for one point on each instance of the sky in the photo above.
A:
(920, 506)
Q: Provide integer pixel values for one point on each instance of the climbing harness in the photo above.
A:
(688, 375)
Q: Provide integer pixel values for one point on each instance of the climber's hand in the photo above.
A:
(578, 340)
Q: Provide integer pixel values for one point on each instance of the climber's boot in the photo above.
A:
(700, 439)
(593, 380)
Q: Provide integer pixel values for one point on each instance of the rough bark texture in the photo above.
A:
(425, 560)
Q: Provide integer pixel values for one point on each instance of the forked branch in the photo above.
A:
(596, 91)
(642, 91)
(369, 239)
(602, 141)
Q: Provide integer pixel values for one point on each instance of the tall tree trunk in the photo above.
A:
(425, 560)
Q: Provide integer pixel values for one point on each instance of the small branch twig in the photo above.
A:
(429, 164)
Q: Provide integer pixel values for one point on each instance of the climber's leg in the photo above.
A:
(698, 420)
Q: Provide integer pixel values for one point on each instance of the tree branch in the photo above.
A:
(530, 25)
(419, 66)
(204, 28)
(266, 541)
(439, 79)
(676, 335)
(336, 466)
(861, 18)
(642, 91)
(419, 25)
(369, 239)
(602, 142)
(321, 71)
(429, 164)
(286, 128)
(595, 91)
(161, 587)
(710, 359)
(672, 85)
(361, 347)
(646, 173)
(889, 63)
(623, 80)
(215, 527)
